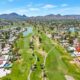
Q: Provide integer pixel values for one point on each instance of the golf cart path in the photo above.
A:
(45, 62)
(30, 69)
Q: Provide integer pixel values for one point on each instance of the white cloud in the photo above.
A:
(64, 5)
(34, 9)
(67, 11)
(48, 6)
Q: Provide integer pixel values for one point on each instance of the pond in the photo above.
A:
(28, 31)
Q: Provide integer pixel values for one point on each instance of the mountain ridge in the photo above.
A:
(15, 17)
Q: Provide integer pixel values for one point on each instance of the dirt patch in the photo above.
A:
(72, 62)
(43, 53)
(68, 77)
(37, 43)
(77, 62)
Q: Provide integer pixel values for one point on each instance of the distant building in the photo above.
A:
(78, 47)
(72, 29)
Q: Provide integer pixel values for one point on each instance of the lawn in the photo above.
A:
(36, 74)
(57, 62)
(21, 67)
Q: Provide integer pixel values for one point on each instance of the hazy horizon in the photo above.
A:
(38, 15)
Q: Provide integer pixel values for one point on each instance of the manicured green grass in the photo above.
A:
(60, 66)
(57, 63)
(37, 74)
(21, 68)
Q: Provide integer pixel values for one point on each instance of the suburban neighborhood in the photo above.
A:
(39, 39)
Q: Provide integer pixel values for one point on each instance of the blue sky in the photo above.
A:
(40, 7)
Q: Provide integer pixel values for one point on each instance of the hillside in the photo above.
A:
(13, 17)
